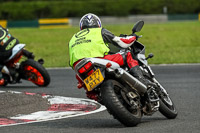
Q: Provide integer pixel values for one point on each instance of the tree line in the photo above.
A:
(35, 9)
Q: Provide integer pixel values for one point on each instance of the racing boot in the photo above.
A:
(137, 73)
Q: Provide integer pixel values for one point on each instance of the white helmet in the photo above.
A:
(90, 21)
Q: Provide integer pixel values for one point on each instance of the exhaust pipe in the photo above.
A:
(130, 80)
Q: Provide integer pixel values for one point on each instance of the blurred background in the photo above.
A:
(112, 11)
(171, 30)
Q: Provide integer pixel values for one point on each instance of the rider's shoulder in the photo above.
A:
(106, 32)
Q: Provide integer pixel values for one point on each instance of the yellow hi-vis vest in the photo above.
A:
(87, 43)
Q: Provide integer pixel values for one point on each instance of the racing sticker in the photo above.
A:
(60, 107)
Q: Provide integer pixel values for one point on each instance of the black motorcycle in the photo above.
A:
(28, 69)
(124, 96)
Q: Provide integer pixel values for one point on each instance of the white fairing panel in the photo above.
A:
(16, 49)
(141, 57)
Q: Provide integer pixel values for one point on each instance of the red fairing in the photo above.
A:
(116, 58)
(80, 83)
(92, 95)
(128, 40)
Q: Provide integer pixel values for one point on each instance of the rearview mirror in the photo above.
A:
(138, 26)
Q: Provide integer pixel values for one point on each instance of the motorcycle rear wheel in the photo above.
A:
(116, 105)
(35, 72)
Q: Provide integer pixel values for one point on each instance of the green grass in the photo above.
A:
(172, 42)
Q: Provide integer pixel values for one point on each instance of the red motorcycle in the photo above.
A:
(124, 96)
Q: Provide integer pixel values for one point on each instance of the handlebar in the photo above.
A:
(139, 36)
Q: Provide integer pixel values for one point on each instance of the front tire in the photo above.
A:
(167, 108)
(35, 72)
(116, 105)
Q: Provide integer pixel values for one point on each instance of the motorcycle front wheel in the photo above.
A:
(34, 72)
(117, 106)
(167, 107)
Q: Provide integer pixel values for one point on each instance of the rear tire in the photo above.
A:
(34, 72)
(115, 105)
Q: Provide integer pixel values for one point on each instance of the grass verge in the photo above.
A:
(172, 42)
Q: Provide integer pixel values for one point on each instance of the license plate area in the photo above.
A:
(93, 80)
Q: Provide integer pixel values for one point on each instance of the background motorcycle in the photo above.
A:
(125, 97)
(29, 69)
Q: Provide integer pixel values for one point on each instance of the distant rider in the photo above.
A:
(93, 41)
(7, 42)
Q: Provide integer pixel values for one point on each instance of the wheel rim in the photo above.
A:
(168, 102)
(135, 112)
(34, 75)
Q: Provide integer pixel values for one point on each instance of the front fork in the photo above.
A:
(162, 89)
(148, 70)
(153, 93)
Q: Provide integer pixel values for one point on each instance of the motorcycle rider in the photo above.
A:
(7, 42)
(93, 41)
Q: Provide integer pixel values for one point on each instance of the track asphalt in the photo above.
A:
(181, 81)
